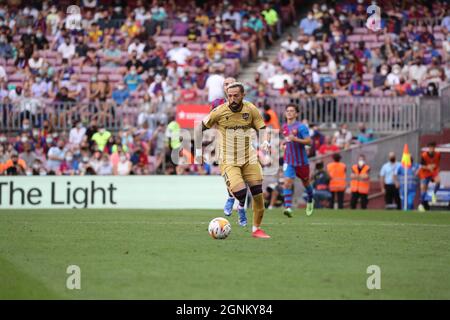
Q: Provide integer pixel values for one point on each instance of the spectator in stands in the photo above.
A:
(266, 69)
(133, 80)
(360, 183)
(365, 135)
(28, 155)
(77, 134)
(178, 53)
(123, 166)
(101, 137)
(69, 166)
(431, 90)
(358, 88)
(112, 55)
(393, 78)
(290, 44)
(277, 80)
(214, 85)
(414, 90)
(343, 137)
(309, 24)
(67, 48)
(135, 62)
(35, 63)
(290, 63)
(387, 183)
(15, 166)
(56, 155)
(105, 168)
(328, 146)
(6, 50)
(271, 18)
(121, 94)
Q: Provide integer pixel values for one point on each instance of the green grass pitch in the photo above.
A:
(168, 254)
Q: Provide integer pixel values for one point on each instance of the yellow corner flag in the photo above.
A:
(406, 157)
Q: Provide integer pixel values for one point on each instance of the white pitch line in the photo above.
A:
(269, 224)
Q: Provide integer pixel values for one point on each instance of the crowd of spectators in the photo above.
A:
(126, 53)
(336, 55)
(123, 55)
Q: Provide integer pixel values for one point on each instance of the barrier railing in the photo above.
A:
(382, 114)
(63, 115)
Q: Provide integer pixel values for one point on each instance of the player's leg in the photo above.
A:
(423, 192)
(228, 208)
(289, 175)
(273, 199)
(253, 176)
(437, 185)
(235, 183)
(302, 173)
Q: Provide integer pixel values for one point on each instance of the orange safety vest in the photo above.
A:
(336, 170)
(425, 173)
(360, 185)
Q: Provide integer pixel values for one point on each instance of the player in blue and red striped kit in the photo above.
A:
(296, 163)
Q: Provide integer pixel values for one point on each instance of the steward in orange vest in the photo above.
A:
(360, 183)
(337, 171)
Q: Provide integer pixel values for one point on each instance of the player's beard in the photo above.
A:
(235, 107)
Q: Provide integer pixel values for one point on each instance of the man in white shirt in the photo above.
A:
(178, 53)
(67, 48)
(277, 80)
(214, 85)
(76, 134)
(40, 87)
(55, 156)
(137, 46)
(289, 44)
(35, 62)
(3, 75)
(266, 69)
(233, 15)
(343, 137)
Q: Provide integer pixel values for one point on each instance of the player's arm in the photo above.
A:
(206, 124)
(303, 136)
(260, 127)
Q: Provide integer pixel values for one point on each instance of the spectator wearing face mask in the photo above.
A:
(133, 80)
(77, 134)
(343, 137)
(414, 90)
(123, 166)
(28, 154)
(393, 78)
(101, 137)
(105, 168)
(69, 166)
(309, 24)
(121, 94)
(55, 156)
(358, 88)
(360, 183)
(365, 135)
(379, 79)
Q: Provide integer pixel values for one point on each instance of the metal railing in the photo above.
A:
(381, 114)
(63, 115)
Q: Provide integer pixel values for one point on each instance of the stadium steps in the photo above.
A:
(247, 74)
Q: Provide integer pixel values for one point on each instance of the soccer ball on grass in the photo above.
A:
(219, 228)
